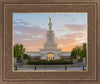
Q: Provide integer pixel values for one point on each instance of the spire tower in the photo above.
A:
(50, 42)
(50, 51)
(50, 24)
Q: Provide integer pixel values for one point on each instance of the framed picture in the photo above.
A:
(49, 42)
(61, 46)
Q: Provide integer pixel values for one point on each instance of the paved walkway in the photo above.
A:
(53, 69)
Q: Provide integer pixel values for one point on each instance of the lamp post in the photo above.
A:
(16, 67)
(65, 67)
(35, 67)
(83, 67)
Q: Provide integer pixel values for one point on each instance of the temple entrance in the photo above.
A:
(50, 56)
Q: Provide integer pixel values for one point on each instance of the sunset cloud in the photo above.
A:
(67, 42)
(32, 32)
(75, 28)
(20, 22)
(32, 38)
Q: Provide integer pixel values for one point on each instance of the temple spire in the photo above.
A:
(50, 24)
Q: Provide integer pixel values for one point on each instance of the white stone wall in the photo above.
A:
(65, 54)
(43, 53)
(84, 60)
(15, 61)
(33, 54)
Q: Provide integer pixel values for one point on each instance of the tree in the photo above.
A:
(18, 51)
(80, 51)
(84, 49)
(76, 51)
(73, 54)
(26, 56)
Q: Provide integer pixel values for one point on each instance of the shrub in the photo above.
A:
(51, 62)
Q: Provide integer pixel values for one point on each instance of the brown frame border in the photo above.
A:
(92, 76)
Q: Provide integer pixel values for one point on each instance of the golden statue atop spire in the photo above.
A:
(49, 20)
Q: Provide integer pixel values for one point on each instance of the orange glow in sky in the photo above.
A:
(70, 30)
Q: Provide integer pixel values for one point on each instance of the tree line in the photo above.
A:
(19, 52)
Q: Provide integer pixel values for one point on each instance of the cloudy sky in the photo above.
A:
(30, 29)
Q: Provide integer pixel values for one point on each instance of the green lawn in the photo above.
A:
(84, 69)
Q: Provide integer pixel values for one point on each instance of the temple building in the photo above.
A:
(50, 50)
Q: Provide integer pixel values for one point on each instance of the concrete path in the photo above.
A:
(53, 69)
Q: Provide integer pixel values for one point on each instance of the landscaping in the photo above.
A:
(51, 62)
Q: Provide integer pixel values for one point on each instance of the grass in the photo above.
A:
(14, 70)
(84, 69)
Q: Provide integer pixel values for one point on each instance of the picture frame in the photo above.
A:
(8, 7)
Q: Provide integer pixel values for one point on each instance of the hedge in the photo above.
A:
(51, 62)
